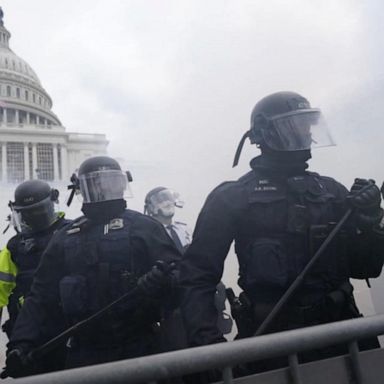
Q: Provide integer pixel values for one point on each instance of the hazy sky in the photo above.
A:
(172, 83)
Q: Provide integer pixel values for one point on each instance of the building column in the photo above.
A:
(4, 161)
(17, 119)
(64, 162)
(55, 163)
(5, 116)
(34, 160)
(28, 118)
(26, 162)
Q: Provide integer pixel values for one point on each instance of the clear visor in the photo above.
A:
(105, 185)
(15, 221)
(297, 130)
(35, 216)
(166, 197)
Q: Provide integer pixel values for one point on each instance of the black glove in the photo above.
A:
(365, 195)
(159, 278)
(365, 198)
(17, 364)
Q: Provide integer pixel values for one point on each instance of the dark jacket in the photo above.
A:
(86, 266)
(25, 251)
(277, 222)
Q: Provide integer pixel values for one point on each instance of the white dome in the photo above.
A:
(13, 65)
(33, 142)
(20, 88)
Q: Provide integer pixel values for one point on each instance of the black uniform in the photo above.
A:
(86, 266)
(26, 250)
(278, 220)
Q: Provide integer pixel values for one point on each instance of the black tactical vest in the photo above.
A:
(287, 219)
(101, 267)
(26, 251)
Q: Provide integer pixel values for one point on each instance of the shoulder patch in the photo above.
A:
(116, 223)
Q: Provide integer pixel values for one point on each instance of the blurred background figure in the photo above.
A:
(160, 203)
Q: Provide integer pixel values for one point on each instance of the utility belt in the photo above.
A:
(336, 305)
(301, 316)
(303, 310)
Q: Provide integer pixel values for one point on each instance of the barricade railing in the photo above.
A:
(224, 356)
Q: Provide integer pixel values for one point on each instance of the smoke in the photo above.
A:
(172, 83)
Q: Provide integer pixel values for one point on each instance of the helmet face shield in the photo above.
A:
(36, 216)
(297, 130)
(164, 202)
(105, 185)
(16, 221)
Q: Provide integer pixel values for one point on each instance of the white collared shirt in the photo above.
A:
(182, 231)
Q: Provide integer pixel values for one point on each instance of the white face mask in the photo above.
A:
(166, 209)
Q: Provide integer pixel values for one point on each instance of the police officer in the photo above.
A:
(278, 214)
(35, 220)
(160, 203)
(98, 258)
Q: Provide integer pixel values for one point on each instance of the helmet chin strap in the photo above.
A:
(239, 149)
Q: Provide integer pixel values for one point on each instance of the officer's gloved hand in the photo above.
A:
(17, 364)
(365, 198)
(159, 278)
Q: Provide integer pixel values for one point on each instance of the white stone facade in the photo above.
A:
(33, 142)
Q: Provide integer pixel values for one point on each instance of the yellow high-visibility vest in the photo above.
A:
(8, 273)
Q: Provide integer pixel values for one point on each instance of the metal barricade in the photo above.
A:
(357, 367)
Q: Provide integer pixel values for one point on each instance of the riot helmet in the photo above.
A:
(162, 201)
(100, 179)
(286, 122)
(33, 207)
(103, 187)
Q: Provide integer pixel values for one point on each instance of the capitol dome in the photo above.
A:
(33, 142)
(20, 86)
(16, 66)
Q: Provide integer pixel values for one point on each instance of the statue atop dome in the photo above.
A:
(1, 17)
